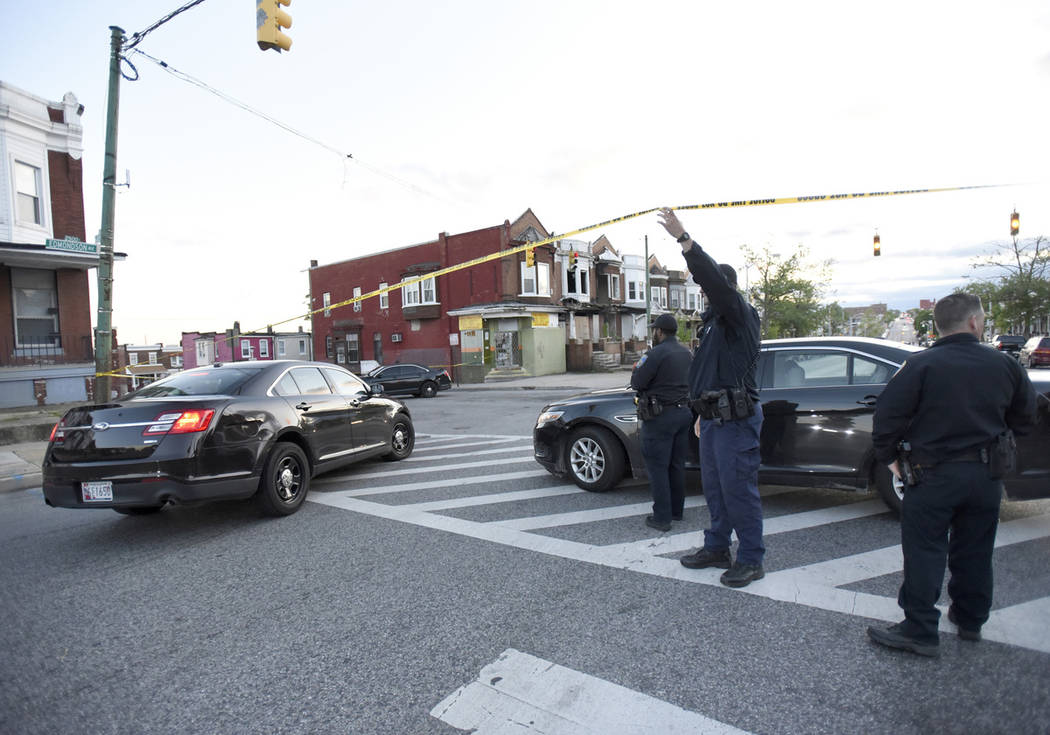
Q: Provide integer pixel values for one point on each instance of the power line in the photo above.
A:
(137, 37)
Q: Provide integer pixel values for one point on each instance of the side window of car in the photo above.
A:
(286, 386)
(310, 381)
(870, 372)
(345, 383)
(411, 371)
(393, 373)
(787, 373)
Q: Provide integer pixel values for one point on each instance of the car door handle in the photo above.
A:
(303, 406)
(868, 400)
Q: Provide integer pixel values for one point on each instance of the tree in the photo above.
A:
(787, 300)
(833, 320)
(922, 319)
(1017, 291)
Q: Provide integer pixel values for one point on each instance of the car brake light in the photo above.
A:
(57, 437)
(183, 422)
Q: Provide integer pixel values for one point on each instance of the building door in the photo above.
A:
(506, 349)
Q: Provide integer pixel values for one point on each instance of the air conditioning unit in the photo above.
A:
(395, 337)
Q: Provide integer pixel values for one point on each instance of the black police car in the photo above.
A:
(818, 397)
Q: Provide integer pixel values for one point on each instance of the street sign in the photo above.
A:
(72, 244)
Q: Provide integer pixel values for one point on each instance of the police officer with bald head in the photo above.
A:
(660, 379)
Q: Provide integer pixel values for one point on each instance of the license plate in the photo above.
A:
(94, 492)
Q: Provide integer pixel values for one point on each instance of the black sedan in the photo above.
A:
(818, 396)
(246, 429)
(409, 378)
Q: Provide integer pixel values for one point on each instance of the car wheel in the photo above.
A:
(428, 389)
(402, 439)
(285, 481)
(595, 459)
(138, 510)
(889, 487)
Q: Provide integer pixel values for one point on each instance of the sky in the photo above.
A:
(463, 114)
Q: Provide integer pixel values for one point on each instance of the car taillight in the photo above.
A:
(180, 422)
(57, 437)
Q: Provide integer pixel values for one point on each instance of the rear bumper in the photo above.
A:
(61, 488)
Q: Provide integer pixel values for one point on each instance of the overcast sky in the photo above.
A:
(461, 115)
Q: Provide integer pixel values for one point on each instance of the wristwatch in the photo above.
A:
(683, 237)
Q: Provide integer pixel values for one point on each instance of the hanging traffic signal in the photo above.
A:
(530, 257)
(1015, 223)
(878, 245)
(573, 257)
(269, 21)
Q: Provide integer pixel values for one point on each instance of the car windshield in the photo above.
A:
(210, 382)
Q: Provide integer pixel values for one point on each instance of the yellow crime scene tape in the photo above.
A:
(616, 220)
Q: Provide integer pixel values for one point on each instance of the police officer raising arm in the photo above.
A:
(952, 409)
(663, 405)
(724, 392)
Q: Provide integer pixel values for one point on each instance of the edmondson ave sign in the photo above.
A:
(72, 244)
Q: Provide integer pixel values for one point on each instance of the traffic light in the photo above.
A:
(530, 257)
(1015, 223)
(573, 257)
(878, 245)
(269, 21)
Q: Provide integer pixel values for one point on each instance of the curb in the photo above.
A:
(21, 482)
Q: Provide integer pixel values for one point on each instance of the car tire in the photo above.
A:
(402, 439)
(429, 389)
(285, 481)
(594, 458)
(138, 510)
(889, 488)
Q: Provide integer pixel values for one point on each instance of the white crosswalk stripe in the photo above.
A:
(819, 584)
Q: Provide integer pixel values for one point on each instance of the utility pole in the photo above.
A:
(104, 325)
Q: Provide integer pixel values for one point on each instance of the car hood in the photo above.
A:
(597, 396)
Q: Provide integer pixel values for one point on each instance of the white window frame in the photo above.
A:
(613, 285)
(153, 358)
(280, 348)
(302, 347)
(264, 348)
(580, 276)
(658, 295)
(246, 349)
(421, 293)
(632, 290)
(384, 298)
(133, 358)
(36, 196)
(357, 292)
(327, 298)
(536, 280)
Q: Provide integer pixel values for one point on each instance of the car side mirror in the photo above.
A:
(376, 389)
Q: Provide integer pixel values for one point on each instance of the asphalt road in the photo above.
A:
(365, 610)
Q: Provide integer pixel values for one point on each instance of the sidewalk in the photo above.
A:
(24, 431)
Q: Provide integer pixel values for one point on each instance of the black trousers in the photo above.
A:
(665, 443)
(950, 516)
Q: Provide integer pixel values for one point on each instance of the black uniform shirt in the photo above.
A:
(662, 372)
(955, 397)
(729, 342)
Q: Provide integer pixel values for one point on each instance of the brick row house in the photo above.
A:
(46, 345)
(144, 364)
(581, 306)
(206, 348)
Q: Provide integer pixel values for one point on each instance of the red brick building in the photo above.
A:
(46, 353)
(496, 315)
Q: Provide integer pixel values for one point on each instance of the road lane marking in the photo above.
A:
(500, 450)
(471, 444)
(519, 693)
(434, 484)
(507, 497)
(487, 464)
(815, 585)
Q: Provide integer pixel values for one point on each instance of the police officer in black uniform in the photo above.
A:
(722, 381)
(660, 380)
(953, 405)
